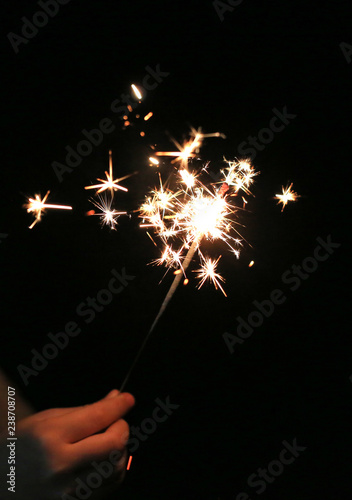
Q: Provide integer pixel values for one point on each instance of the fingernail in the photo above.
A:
(129, 398)
(112, 394)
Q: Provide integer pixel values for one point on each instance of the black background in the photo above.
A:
(290, 379)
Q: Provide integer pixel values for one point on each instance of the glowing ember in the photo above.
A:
(136, 91)
(129, 463)
(154, 161)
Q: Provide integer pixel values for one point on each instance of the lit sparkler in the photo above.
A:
(38, 207)
(110, 183)
(194, 212)
(286, 196)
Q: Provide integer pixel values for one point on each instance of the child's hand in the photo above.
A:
(73, 437)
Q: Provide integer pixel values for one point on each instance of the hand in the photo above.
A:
(73, 437)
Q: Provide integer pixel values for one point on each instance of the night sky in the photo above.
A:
(228, 71)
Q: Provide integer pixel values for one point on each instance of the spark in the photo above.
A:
(136, 91)
(240, 175)
(208, 271)
(154, 161)
(110, 183)
(129, 463)
(251, 264)
(286, 196)
(148, 116)
(38, 207)
(108, 215)
(190, 147)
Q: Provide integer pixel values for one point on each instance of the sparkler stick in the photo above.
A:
(165, 303)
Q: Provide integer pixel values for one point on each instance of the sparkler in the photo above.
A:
(38, 207)
(286, 196)
(192, 213)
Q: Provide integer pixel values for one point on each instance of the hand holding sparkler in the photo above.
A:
(71, 438)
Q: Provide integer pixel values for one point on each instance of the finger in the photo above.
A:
(95, 417)
(58, 412)
(111, 443)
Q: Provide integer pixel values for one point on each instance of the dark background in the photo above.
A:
(290, 379)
